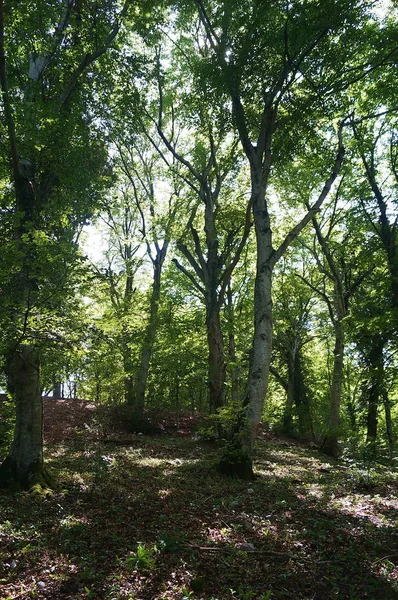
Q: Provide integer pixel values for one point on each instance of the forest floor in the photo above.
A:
(147, 517)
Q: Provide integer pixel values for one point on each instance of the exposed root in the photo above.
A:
(36, 478)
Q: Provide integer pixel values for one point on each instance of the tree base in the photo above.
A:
(330, 447)
(234, 465)
(36, 478)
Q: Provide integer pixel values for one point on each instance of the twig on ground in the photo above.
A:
(265, 552)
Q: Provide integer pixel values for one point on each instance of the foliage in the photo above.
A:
(6, 423)
(142, 559)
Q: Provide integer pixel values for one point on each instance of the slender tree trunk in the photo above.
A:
(234, 370)
(330, 445)
(352, 413)
(177, 400)
(24, 464)
(288, 412)
(262, 341)
(239, 461)
(376, 368)
(150, 336)
(373, 405)
(128, 375)
(389, 427)
(301, 399)
(216, 362)
(57, 390)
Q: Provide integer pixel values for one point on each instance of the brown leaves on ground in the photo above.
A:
(150, 519)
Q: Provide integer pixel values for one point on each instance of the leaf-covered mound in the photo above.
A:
(152, 519)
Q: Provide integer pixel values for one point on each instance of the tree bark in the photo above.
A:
(376, 368)
(301, 398)
(330, 445)
(389, 427)
(234, 370)
(216, 362)
(150, 336)
(24, 464)
(288, 412)
(238, 459)
(57, 390)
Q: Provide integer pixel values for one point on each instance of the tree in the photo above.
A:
(269, 98)
(208, 170)
(378, 154)
(293, 309)
(46, 109)
(157, 216)
(339, 265)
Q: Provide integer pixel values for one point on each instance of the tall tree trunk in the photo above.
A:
(216, 362)
(287, 424)
(375, 359)
(57, 390)
(260, 358)
(24, 463)
(389, 427)
(128, 368)
(177, 399)
(150, 336)
(301, 398)
(234, 370)
(238, 460)
(371, 430)
(330, 445)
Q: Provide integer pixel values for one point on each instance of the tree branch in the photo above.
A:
(90, 58)
(190, 277)
(7, 102)
(316, 206)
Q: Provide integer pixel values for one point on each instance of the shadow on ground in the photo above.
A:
(312, 534)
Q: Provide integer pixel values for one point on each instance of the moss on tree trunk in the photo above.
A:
(24, 466)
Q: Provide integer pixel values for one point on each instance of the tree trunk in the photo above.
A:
(375, 359)
(24, 464)
(234, 370)
(389, 427)
(262, 340)
(301, 399)
(216, 362)
(237, 457)
(288, 412)
(57, 390)
(373, 405)
(128, 376)
(177, 400)
(150, 336)
(330, 445)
